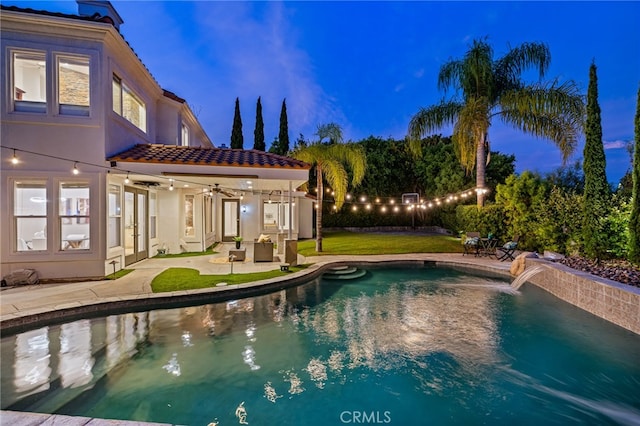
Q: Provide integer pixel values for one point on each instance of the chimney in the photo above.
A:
(101, 9)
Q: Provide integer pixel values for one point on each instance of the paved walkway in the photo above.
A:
(23, 301)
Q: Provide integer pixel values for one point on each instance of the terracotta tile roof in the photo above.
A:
(170, 154)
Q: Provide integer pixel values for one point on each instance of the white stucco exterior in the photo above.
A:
(79, 226)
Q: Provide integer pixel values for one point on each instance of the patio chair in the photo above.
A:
(471, 243)
(508, 249)
(263, 252)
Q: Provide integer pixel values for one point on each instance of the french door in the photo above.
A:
(230, 219)
(136, 218)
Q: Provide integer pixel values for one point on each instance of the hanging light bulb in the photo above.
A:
(75, 168)
(126, 180)
(171, 185)
(14, 160)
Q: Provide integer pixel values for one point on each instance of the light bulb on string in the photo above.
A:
(14, 160)
(126, 180)
(75, 168)
(171, 185)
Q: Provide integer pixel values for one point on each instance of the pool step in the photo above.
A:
(344, 273)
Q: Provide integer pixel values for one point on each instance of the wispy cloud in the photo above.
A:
(253, 46)
(619, 144)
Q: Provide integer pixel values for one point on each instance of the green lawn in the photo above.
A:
(174, 279)
(343, 242)
(333, 243)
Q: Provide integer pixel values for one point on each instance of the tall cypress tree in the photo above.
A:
(258, 133)
(237, 140)
(283, 136)
(634, 221)
(596, 187)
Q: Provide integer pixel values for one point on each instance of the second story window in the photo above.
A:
(29, 81)
(184, 136)
(73, 85)
(128, 105)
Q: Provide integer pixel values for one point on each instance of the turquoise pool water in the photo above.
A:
(399, 346)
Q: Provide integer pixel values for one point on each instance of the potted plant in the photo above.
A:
(238, 240)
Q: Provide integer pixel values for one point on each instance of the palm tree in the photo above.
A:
(491, 88)
(329, 159)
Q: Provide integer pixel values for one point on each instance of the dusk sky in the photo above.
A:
(369, 66)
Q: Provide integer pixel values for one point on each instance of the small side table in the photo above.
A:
(239, 254)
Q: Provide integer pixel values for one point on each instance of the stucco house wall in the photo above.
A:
(50, 142)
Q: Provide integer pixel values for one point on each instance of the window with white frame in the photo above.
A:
(184, 135)
(275, 215)
(153, 215)
(74, 215)
(30, 215)
(128, 105)
(189, 205)
(73, 85)
(115, 216)
(29, 81)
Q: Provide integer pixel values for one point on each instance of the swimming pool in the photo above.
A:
(406, 346)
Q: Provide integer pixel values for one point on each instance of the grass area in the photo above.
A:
(119, 274)
(174, 279)
(343, 242)
(333, 243)
(210, 250)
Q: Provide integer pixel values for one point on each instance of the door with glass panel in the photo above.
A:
(135, 225)
(230, 219)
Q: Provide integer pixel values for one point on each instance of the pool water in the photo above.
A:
(403, 346)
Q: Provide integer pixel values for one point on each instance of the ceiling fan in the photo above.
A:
(222, 191)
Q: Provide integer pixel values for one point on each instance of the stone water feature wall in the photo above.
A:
(615, 302)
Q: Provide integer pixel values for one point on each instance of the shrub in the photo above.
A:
(488, 220)
(518, 197)
(615, 227)
(559, 221)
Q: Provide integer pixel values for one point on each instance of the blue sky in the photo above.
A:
(369, 66)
